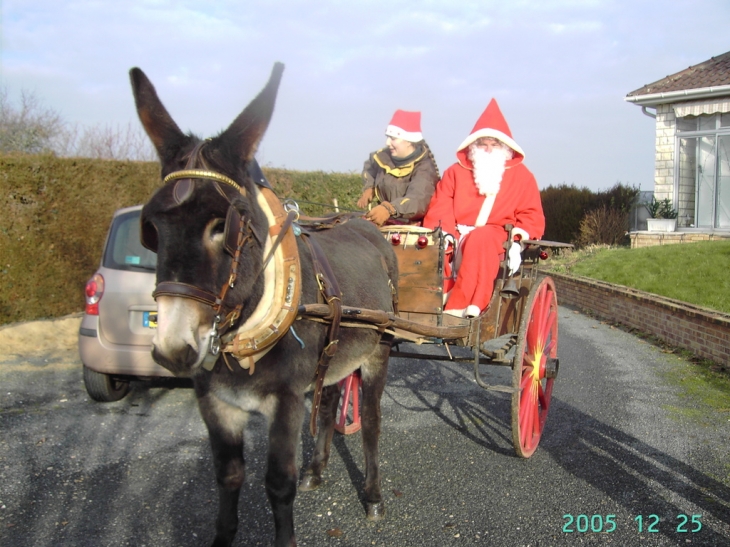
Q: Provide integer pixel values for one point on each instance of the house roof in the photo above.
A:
(708, 75)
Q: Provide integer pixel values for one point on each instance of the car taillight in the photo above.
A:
(94, 291)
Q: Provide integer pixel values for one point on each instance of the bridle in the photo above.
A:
(238, 231)
(270, 320)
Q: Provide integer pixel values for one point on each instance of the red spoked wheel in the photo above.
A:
(535, 366)
(348, 415)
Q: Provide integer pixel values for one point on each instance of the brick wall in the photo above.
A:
(704, 332)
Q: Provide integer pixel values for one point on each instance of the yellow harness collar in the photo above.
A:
(398, 172)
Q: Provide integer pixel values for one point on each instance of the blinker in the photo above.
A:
(232, 228)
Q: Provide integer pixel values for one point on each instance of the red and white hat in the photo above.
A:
(405, 125)
(492, 124)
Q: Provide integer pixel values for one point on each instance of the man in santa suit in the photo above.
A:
(487, 188)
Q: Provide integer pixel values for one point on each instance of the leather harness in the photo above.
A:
(330, 291)
(238, 232)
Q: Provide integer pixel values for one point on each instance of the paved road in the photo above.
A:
(621, 440)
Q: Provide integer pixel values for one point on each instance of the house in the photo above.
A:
(692, 158)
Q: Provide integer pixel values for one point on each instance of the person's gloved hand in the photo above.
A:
(450, 242)
(379, 214)
(514, 257)
(365, 198)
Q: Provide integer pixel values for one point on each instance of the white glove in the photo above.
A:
(464, 229)
(514, 257)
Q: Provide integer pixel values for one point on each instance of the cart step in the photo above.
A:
(497, 348)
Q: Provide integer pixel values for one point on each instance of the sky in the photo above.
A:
(559, 69)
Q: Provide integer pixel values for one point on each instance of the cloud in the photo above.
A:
(446, 21)
(575, 27)
(560, 69)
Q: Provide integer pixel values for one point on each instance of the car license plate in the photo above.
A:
(149, 320)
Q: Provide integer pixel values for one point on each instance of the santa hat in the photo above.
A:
(405, 125)
(492, 124)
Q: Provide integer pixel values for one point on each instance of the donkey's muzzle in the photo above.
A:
(180, 361)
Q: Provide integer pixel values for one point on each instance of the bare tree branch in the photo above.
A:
(33, 129)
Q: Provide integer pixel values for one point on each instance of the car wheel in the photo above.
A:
(104, 387)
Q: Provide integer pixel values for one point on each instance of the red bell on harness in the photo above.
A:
(543, 255)
(422, 242)
(395, 239)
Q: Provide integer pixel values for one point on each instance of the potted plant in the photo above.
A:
(663, 217)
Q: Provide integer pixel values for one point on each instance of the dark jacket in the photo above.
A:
(408, 188)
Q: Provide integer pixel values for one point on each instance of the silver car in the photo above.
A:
(116, 331)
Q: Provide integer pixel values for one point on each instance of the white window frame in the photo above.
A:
(697, 133)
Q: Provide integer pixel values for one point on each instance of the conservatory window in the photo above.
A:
(702, 171)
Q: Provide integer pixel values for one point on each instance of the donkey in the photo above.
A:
(215, 237)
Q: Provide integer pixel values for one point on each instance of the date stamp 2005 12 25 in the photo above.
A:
(605, 524)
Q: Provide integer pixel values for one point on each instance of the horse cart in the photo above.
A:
(519, 329)
(236, 269)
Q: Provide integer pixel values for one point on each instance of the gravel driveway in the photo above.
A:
(623, 438)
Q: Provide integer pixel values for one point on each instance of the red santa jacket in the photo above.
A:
(457, 200)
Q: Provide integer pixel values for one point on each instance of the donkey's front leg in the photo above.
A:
(225, 429)
(281, 473)
(326, 426)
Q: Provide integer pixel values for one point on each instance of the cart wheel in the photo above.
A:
(535, 366)
(348, 415)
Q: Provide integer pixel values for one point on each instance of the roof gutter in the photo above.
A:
(676, 96)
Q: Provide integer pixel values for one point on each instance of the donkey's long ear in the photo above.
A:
(159, 125)
(246, 131)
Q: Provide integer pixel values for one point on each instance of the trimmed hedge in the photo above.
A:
(56, 211)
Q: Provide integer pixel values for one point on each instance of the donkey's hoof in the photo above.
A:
(310, 482)
(221, 542)
(376, 511)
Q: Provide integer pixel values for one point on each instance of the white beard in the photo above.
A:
(489, 168)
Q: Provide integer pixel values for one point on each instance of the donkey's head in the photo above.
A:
(205, 225)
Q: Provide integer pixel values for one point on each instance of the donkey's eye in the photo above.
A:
(219, 225)
(215, 230)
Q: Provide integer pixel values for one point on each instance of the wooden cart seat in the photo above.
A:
(420, 282)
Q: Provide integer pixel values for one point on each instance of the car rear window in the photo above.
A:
(124, 250)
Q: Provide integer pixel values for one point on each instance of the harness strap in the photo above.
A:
(323, 223)
(330, 291)
(175, 288)
(288, 221)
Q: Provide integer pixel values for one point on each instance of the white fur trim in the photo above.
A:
(398, 133)
(494, 133)
(455, 313)
(485, 210)
(446, 297)
(521, 232)
(472, 311)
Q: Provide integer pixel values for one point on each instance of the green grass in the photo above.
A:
(697, 273)
(703, 382)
